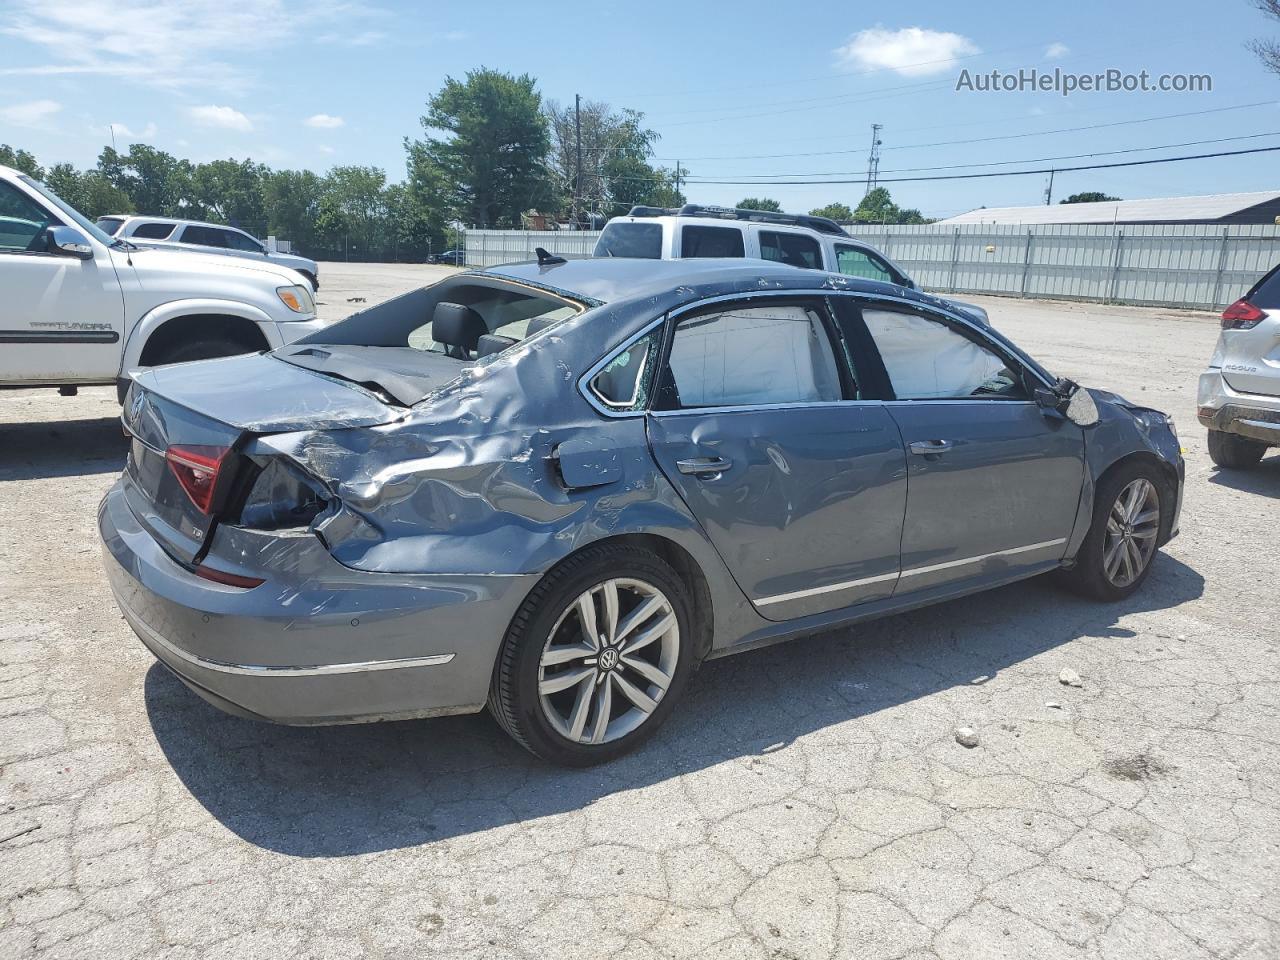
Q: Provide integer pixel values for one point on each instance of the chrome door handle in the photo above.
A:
(700, 466)
(925, 448)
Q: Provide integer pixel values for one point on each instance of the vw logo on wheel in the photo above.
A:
(609, 658)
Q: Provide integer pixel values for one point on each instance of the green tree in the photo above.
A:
(489, 156)
(353, 208)
(20, 160)
(878, 207)
(230, 191)
(838, 212)
(291, 204)
(759, 203)
(1089, 196)
(89, 191)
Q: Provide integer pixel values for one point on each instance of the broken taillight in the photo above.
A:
(1241, 315)
(196, 468)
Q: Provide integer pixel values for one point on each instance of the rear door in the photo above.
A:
(1251, 358)
(994, 481)
(797, 480)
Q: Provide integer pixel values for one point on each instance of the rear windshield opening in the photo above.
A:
(637, 240)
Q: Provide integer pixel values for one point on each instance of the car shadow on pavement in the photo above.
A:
(67, 448)
(1264, 479)
(346, 790)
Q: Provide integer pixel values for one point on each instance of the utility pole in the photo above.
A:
(677, 178)
(1048, 190)
(873, 161)
(577, 137)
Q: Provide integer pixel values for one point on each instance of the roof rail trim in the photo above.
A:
(820, 224)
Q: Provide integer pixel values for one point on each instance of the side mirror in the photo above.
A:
(69, 242)
(1071, 401)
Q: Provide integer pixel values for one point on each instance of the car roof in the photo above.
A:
(625, 279)
(174, 220)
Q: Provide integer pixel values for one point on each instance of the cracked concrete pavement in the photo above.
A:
(805, 801)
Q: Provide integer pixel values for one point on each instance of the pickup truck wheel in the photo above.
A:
(1230, 450)
(311, 279)
(202, 350)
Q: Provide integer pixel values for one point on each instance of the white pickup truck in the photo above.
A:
(78, 307)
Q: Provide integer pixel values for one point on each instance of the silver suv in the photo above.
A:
(1239, 395)
(203, 238)
(695, 231)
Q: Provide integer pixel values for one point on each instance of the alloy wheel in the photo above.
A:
(608, 661)
(1132, 529)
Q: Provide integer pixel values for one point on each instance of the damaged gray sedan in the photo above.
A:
(555, 488)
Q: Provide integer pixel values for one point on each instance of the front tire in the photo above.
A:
(1233, 451)
(596, 657)
(1131, 508)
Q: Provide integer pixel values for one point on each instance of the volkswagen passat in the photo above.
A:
(554, 488)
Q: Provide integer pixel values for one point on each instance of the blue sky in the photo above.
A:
(324, 82)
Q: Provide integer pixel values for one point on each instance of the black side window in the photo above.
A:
(153, 231)
(624, 383)
(238, 241)
(22, 221)
(642, 240)
(855, 262)
(711, 242)
(204, 237)
(793, 249)
(1265, 294)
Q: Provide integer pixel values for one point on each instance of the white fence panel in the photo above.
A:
(1195, 266)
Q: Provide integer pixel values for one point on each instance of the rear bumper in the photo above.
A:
(1219, 407)
(317, 643)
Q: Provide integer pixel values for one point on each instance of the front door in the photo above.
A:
(61, 318)
(994, 482)
(799, 483)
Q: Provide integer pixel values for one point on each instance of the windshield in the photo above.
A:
(69, 212)
(641, 240)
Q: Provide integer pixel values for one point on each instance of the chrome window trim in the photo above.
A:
(584, 381)
(903, 574)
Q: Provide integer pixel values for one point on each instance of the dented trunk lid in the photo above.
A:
(219, 405)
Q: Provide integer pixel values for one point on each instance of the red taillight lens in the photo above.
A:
(230, 579)
(1241, 315)
(197, 471)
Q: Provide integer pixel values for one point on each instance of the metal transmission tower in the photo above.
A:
(873, 161)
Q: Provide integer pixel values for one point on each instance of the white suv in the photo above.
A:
(81, 308)
(204, 238)
(1239, 395)
(814, 243)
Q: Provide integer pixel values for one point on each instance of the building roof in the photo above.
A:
(1155, 210)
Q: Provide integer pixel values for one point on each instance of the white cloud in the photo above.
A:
(32, 113)
(225, 118)
(1056, 51)
(171, 43)
(323, 121)
(121, 130)
(326, 149)
(911, 51)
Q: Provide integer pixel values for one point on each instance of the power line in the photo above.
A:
(1013, 136)
(1005, 163)
(1000, 173)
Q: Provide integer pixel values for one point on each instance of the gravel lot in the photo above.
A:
(806, 801)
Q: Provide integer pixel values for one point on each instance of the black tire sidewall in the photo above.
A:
(514, 697)
(1233, 451)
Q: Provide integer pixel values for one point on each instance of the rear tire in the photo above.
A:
(1234, 452)
(583, 621)
(204, 350)
(1131, 514)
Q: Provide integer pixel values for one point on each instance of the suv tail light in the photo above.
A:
(196, 468)
(1241, 315)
